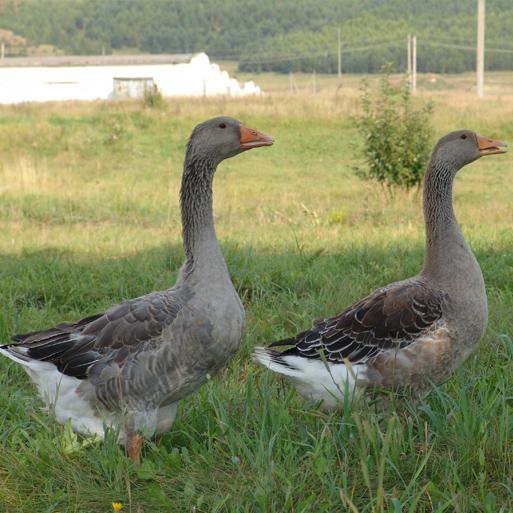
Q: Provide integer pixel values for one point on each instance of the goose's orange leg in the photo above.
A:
(133, 446)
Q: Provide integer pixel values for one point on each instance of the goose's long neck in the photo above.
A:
(447, 254)
(203, 255)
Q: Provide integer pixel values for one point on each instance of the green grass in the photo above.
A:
(89, 217)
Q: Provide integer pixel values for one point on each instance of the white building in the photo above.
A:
(60, 78)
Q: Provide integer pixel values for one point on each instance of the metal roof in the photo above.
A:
(96, 60)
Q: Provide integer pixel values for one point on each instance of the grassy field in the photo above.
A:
(89, 216)
(497, 83)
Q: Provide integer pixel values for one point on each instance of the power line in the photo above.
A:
(269, 59)
(498, 50)
(325, 53)
(371, 47)
(448, 45)
(466, 48)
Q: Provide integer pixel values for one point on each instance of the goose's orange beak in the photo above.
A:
(250, 138)
(489, 146)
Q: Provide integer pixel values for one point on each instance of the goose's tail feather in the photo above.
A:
(315, 379)
(284, 342)
(275, 361)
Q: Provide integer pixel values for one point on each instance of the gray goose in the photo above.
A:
(129, 367)
(409, 334)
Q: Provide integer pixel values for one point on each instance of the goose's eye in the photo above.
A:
(464, 136)
(222, 125)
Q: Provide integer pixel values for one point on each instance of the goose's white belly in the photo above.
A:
(62, 396)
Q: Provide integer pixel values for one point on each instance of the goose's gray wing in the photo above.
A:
(106, 347)
(390, 318)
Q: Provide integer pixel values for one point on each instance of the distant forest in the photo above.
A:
(273, 35)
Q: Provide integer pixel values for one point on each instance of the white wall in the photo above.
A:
(197, 78)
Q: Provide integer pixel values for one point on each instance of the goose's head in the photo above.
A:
(220, 138)
(459, 148)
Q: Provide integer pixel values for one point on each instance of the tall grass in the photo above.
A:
(89, 216)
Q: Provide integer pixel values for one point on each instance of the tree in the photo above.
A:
(396, 133)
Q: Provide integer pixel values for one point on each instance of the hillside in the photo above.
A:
(282, 36)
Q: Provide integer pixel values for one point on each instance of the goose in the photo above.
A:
(129, 367)
(410, 334)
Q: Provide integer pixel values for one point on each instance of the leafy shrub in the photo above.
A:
(153, 97)
(397, 135)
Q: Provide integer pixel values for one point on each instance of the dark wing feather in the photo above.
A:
(391, 317)
(114, 335)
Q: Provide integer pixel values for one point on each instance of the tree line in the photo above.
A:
(265, 35)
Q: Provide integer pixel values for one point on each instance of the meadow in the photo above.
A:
(89, 216)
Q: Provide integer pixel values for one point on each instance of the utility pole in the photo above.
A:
(290, 82)
(414, 64)
(2, 50)
(480, 47)
(409, 59)
(314, 85)
(339, 68)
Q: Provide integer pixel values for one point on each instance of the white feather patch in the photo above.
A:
(59, 392)
(61, 395)
(315, 379)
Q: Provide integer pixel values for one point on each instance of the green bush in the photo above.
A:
(397, 135)
(152, 97)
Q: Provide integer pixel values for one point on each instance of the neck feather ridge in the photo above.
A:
(445, 244)
(199, 236)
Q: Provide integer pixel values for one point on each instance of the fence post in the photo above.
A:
(408, 52)
(414, 64)
(480, 47)
(339, 67)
